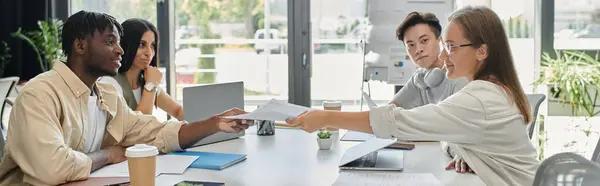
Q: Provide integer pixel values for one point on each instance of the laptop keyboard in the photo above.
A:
(369, 160)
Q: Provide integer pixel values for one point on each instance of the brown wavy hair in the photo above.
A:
(481, 26)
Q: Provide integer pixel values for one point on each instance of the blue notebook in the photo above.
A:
(212, 160)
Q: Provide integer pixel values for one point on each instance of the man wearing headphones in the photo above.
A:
(420, 33)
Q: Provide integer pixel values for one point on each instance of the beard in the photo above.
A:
(94, 67)
(102, 72)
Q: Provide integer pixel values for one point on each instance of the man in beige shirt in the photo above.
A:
(64, 124)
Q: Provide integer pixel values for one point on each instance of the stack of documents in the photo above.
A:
(365, 178)
(165, 164)
(273, 110)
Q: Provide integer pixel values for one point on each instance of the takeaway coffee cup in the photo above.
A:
(141, 159)
(332, 105)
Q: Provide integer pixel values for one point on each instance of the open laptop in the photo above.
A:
(203, 101)
(370, 155)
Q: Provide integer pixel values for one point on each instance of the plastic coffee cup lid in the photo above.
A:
(332, 103)
(140, 151)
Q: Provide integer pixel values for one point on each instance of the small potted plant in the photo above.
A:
(324, 140)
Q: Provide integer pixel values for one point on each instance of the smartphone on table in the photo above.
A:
(198, 183)
(401, 146)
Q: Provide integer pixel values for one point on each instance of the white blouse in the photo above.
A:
(481, 124)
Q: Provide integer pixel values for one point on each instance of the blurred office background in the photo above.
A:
(215, 41)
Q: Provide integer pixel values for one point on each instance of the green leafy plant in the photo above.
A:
(573, 77)
(542, 138)
(324, 134)
(5, 57)
(46, 42)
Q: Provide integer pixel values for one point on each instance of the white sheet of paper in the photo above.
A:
(365, 178)
(174, 164)
(165, 164)
(114, 170)
(274, 110)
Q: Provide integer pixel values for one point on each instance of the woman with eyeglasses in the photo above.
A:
(484, 123)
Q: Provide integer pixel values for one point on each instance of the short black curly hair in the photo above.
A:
(415, 18)
(85, 23)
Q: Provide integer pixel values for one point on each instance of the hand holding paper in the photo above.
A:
(273, 110)
(310, 121)
(232, 124)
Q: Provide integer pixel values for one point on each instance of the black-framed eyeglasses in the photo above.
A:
(448, 47)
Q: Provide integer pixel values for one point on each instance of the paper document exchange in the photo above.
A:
(274, 110)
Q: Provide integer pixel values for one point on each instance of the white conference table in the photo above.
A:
(292, 157)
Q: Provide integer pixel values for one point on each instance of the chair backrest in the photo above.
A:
(6, 85)
(535, 100)
(596, 155)
(567, 169)
(2, 142)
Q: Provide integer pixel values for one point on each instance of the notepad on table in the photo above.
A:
(165, 164)
(213, 160)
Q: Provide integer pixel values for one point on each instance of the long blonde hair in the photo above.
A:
(481, 26)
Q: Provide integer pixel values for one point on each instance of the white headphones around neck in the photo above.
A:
(430, 78)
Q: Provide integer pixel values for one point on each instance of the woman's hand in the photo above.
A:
(309, 121)
(152, 74)
(460, 165)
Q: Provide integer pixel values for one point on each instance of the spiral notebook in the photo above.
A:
(213, 160)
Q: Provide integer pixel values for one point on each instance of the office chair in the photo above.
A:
(2, 142)
(6, 86)
(566, 169)
(535, 100)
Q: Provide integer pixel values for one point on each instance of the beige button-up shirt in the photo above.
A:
(47, 129)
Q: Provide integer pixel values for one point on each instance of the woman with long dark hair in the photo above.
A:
(139, 78)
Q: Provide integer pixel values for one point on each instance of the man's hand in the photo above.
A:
(231, 125)
(115, 154)
(109, 155)
(193, 132)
